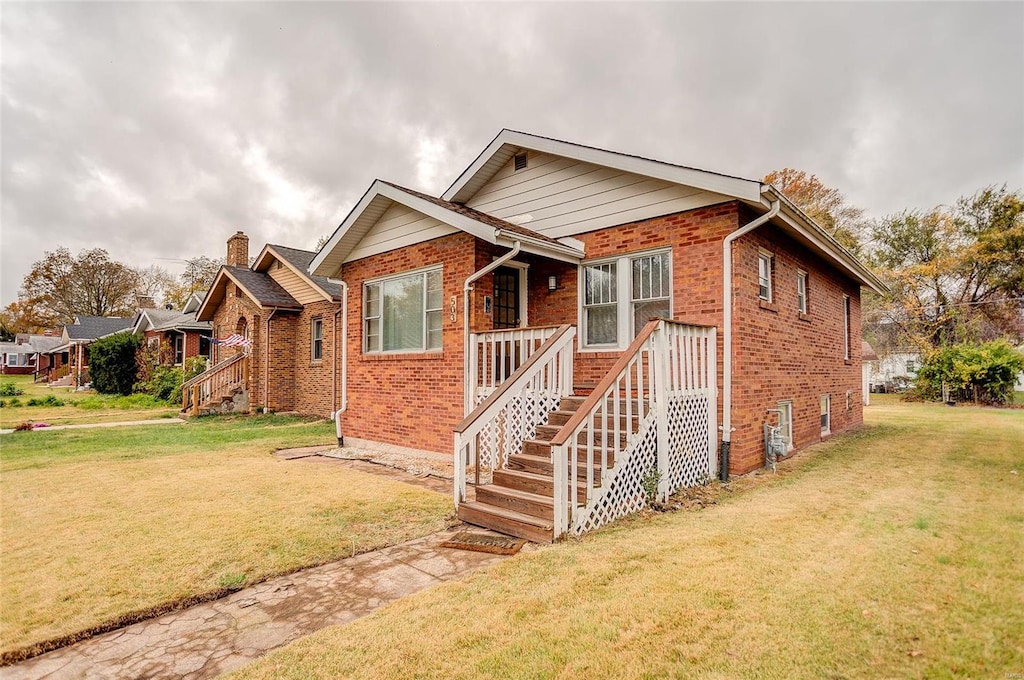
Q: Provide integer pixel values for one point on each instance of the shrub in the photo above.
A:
(14, 403)
(9, 389)
(987, 371)
(162, 384)
(48, 400)
(112, 363)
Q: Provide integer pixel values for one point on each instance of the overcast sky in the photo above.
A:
(156, 131)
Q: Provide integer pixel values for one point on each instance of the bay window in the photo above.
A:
(621, 295)
(403, 313)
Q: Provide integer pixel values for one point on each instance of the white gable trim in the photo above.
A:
(139, 328)
(508, 140)
(330, 258)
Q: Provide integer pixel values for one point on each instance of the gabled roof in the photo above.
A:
(382, 195)
(167, 320)
(755, 194)
(298, 261)
(259, 287)
(509, 142)
(93, 327)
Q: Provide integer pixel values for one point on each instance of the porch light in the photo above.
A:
(552, 283)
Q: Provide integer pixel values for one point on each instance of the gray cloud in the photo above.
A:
(156, 130)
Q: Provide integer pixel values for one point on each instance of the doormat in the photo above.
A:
(486, 543)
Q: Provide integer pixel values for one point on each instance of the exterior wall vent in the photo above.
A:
(520, 161)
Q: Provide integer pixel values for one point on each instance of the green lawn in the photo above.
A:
(78, 408)
(890, 553)
(98, 524)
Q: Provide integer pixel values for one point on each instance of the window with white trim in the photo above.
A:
(403, 313)
(846, 327)
(786, 422)
(801, 291)
(764, 275)
(316, 337)
(612, 318)
(179, 349)
(826, 414)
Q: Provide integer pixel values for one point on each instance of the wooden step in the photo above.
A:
(527, 503)
(542, 485)
(560, 417)
(540, 465)
(546, 433)
(507, 521)
(538, 449)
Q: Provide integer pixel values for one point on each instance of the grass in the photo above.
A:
(79, 407)
(891, 552)
(99, 524)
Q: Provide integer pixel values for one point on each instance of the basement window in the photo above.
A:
(403, 313)
(520, 161)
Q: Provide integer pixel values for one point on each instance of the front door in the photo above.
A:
(506, 298)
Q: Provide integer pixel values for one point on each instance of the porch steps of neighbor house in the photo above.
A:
(520, 499)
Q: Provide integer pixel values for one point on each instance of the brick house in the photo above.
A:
(563, 310)
(68, 363)
(177, 332)
(289, 319)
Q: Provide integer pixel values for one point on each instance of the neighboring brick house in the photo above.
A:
(176, 332)
(69, 361)
(640, 239)
(289, 318)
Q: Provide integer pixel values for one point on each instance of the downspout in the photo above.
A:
(343, 311)
(467, 396)
(727, 295)
(266, 364)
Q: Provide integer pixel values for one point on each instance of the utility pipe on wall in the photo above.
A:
(727, 293)
(343, 311)
(467, 396)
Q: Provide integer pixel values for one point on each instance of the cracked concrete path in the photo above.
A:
(219, 636)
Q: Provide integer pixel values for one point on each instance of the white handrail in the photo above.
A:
(531, 391)
(495, 355)
(667, 362)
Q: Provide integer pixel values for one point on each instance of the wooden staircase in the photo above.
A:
(520, 499)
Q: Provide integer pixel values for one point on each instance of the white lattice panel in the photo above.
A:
(503, 436)
(625, 491)
(689, 460)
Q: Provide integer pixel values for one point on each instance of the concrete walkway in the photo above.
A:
(122, 423)
(216, 637)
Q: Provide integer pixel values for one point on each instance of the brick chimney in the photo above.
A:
(238, 250)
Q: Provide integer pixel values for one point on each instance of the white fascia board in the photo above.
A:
(137, 328)
(838, 255)
(339, 233)
(744, 189)
(560, 252)
(304, 275)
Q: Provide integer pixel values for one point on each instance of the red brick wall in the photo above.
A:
(411, 400)
(780, 356)
(225, 320)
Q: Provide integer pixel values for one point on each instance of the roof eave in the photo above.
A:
(743, 189)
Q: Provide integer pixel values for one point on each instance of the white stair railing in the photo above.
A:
(495, 355)
(513, 409)
(652, 417)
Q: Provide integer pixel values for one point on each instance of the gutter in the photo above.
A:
(343, 311)
(727, 296)
(467, 397)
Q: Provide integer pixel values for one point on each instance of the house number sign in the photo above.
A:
(453, 306)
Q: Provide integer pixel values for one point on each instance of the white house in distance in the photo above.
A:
(896, 367)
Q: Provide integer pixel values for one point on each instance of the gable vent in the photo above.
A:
(520, 161)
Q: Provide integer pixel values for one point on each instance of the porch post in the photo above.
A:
(661, 360)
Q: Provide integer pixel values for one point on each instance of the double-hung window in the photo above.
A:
(317, 339)
(764, 275)
(403, 313)
(801, 292)
(621, 295)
